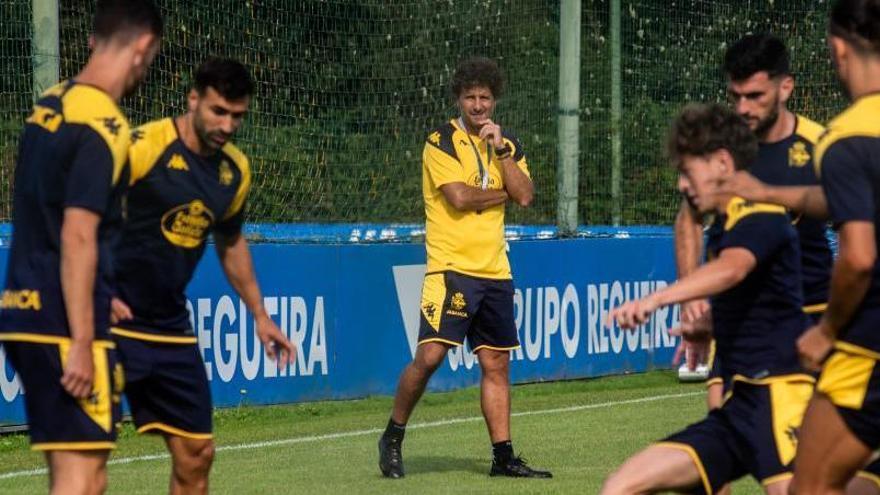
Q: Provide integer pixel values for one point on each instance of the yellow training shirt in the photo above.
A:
(467, 242)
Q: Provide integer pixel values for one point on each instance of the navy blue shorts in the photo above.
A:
(455, 306)
(754, 433)
(167, 388)
(57, 420)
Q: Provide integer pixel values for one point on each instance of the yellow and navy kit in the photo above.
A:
(71, 155)
(753, 433)
(848, 161)
(757, 322)
(176, 199)
(790, 162)
(468, 242)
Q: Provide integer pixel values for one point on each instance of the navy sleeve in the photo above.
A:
(90, 178)
(231, 226)
(761, 233)
(847, 184)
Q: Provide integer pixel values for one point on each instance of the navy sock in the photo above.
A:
(394, 430)
(502, 451)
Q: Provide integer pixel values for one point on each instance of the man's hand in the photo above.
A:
(276, 344)
(814, 346)
(632, 314)
(744, 185)
(694, 310)
(119, 311)
(694, 353)
(79, 370)
(492, 129)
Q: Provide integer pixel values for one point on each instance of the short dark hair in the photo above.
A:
(227, 76)
(858, 22)
(114, 17)
(755, 53)
(477, 71)
(702, 128)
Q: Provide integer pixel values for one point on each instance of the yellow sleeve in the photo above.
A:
(441, 167)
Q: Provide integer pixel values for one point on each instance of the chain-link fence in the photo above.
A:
(348, 90)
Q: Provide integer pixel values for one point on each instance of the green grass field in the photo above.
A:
(580, 430)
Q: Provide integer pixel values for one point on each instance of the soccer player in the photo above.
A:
(754, 276)
(841, 427)
(471, 169)
(759, 84)
(55, 313)
(187, 181)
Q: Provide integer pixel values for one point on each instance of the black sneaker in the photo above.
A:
(516, 467)
(390, 457)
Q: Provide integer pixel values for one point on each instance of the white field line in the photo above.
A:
(371, 431)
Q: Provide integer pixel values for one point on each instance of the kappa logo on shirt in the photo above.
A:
(178, 163)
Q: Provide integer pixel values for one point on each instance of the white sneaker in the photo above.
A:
(699, 374)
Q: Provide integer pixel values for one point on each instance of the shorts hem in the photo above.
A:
(707, 486)
(151, 337)
(443, 341)
(493, 348)
(152, 427)
(775, 478)
(38, 338)
(815, 308)
(44, 446)
(714, 381)
(873, 478)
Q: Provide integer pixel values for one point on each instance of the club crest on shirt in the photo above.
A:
(798, 156)
(187, 225)
(225, 173)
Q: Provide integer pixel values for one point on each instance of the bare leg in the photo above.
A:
(655, 469)
(828, 454)
(495, 392)
(191, 464)
(414, 379)
(77, 472)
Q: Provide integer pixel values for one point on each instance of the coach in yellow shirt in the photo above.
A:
(471, 168)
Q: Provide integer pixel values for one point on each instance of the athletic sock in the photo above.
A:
(394, 430)
(502, 451)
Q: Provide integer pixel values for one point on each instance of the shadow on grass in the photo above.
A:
(416, 464)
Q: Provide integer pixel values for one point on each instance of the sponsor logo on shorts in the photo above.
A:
(26, 299)
(456, 305)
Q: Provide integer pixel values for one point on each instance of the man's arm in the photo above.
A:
(714, 277)
(235, 258)
(688, 239)
(850, 280)
(809, 200)
(851, 276)
(79, 262)
(518, 185)
(463, 197)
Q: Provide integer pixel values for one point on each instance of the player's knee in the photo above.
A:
(496, 363)
(193, 464)
(619, 483)
(429, 357)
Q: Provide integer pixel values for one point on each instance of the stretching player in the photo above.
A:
(754, 276)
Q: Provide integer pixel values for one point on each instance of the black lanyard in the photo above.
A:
(484, 174)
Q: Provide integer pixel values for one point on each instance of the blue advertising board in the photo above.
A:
(353, 311)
